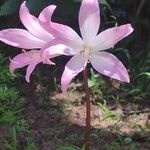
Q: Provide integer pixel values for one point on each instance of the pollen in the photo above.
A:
(86, 52)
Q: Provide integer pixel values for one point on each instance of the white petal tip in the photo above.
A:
(28, 81)
(130, 28)
(128, 81)
(23, 4)
(48, 62)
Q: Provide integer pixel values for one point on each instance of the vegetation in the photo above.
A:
(37, 116)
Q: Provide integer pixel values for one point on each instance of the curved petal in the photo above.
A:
(32, 24)
(45, 18)
(25, 58)
(60, 31)
(19, 61)
(74, 66)
(68, 35)
(107, 64)
(108, 38)
(20, 38)
(89, 19)
(30, 69)
(48, 62)
(30, 58)
(56, 48)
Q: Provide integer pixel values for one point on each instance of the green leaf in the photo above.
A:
(9, 7)
(147, 74)
(127, 140)
(104, 2)
(37, 5)
(69, 148)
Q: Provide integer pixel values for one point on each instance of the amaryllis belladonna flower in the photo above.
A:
(30, 58)
(35, 37)
(92, 45)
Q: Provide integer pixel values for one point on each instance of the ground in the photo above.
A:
(46, 120)
(59, 120)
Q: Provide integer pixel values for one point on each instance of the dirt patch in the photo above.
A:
(62, 122)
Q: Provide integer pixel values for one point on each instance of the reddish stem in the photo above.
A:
(88, 118)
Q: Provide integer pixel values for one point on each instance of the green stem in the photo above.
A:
(140, 7)
(87, 99)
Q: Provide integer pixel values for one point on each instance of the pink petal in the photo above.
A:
(108, 38)
(89, 19)
(68, 35)
(107, 64)
(24, 59)
(30, 69)
(60, 31)
(32, 24)
(56, 48)
(19, 61)
(74, 66)
(45, 18)
(31, 58)
(20, 38)
(48, 62)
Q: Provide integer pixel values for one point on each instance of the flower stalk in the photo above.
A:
(88, 118)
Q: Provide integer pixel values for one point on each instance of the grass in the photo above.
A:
(12, 121)
(57, 122)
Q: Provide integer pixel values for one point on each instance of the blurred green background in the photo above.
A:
(21, 103)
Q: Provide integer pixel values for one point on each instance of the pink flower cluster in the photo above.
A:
(45, 39)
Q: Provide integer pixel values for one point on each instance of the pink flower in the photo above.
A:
(34, 37)
(30, 58)
(92, 45)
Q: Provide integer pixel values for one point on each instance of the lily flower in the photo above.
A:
(34, 37)
(90, 48)
(32, 58)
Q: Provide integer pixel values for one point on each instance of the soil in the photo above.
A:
(61, 122)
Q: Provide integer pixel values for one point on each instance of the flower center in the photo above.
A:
(86, 51)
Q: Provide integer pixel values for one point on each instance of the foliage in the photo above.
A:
(11, 107)
(133, 51)
(69, 148)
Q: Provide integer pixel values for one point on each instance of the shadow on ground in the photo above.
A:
(57, 121)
